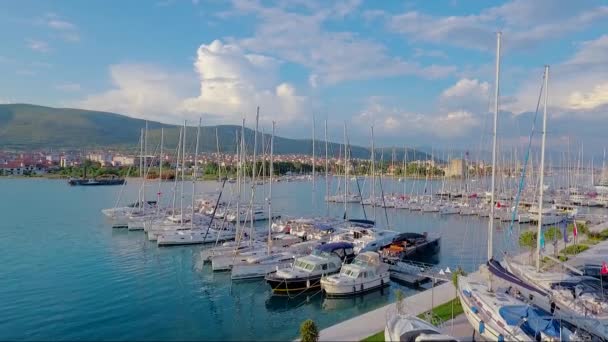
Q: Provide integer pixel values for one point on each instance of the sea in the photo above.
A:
(66, 274)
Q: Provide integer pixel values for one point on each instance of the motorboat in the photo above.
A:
(366, 273)
(409, 245)
(307, 271)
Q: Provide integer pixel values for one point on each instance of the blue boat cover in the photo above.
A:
(330, 247)
(534, 321)
(322, 226)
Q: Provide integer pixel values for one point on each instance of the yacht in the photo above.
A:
(366, 273)
(307, 271)
(194, 236)
(258, 213)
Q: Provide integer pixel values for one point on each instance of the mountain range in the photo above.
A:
(28, 127)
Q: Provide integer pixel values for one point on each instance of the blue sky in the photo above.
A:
(421, 72)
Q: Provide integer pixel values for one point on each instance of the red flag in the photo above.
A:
(604, 268)
(575, 230)
(497, 204)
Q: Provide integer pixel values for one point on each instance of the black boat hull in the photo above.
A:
(287, 287)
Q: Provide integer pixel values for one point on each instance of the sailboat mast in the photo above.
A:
(143, 187)
(141, 167)
(345, 172)
(373, 168)
(270, 189)
(217, 146)
(326, 169)
(181, 199)
(253, 172)
(160, 169)
(493, 180)
(179, 146)
(195, 169)
(542, 171)
(314, 164)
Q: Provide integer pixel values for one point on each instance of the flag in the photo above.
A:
(542, 241)
(498, 205)
(604, 270)
(565, 233)
(575, 228)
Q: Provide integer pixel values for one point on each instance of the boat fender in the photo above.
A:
(381, 281)
(361, 287)
(474, 309)
(482, 327)
(501, 338)
(307, 283)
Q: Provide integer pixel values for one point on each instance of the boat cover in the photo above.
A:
(323, 227)
(534, 320)
(332, 246)
(496, 268)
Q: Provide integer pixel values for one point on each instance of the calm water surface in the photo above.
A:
(67, 275)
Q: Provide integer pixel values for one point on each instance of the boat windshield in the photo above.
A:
(321, 253)
(347, 272)
(303, 265)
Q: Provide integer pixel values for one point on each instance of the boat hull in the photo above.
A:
(348, 290)
(293, 286)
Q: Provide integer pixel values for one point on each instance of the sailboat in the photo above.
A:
(493, 309)
(577, 299)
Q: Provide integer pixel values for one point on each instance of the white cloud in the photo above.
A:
(233, 83)
(467, 94)
(140, 90)
(66, 30)
(331, 56)
(525, 23)
(396, 122)
(577, 87)
(38, 45)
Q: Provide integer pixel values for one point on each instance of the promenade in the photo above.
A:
(362, 326)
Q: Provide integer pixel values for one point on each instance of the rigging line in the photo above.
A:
(525, 166)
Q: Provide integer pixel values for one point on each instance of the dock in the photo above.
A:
(362, 326)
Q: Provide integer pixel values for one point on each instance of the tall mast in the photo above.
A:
(141, 166)
(179, 146)
(253, 172)
(314, 174)
(542, 171)
(181, 200)
(143, 187)
(326, 168)
(219, 158)
(270, 189)
(345, 171)
(195, 169)
(493, 181)
(373, 168)
(160, 170)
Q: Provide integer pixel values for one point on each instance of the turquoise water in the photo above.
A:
(67, 275)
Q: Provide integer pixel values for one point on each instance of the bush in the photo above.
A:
(528, 239)
(459, 271)
(553, 233)
(399, 301)
(309, 331)
(581, 228)
(575, 249)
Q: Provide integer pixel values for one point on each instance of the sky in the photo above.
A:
(422, 73)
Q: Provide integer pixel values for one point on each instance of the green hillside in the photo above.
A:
(26, 126)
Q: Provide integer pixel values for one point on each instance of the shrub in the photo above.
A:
(459, 271)
(309, 331)
(575, 249)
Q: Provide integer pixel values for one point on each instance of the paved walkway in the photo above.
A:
(360, 327)
(460, 328)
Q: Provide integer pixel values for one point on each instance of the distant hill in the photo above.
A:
(26, 127)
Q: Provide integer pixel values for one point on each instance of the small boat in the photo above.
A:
(96, 181)
(366, 273)
(407, 327)
(307, 271)
(409, 245)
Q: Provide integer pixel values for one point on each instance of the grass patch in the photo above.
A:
(378, 337)
(574, 249)
(444, 311)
